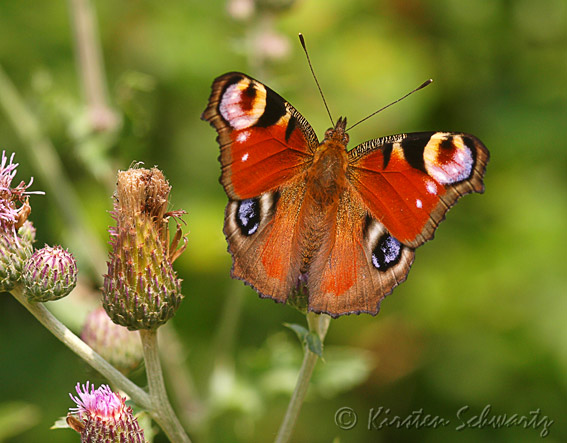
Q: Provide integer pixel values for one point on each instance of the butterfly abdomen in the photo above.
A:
(326, 181)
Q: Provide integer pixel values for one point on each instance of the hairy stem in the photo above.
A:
(318, 324)
(162, 412)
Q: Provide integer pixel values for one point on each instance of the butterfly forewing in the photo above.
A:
(409, 181)
(264, 140)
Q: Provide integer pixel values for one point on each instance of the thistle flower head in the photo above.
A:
(141, 289)
(49, 274)
(14, 208)
(116, 344)
(102, 416)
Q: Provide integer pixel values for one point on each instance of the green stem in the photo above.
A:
(318, 324)
(79, 347)
(90, 63)
(162, 412)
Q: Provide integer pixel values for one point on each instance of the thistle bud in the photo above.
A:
(102, 416)
(141, 289)
(14, 251)
(49, 274)
(116, 344)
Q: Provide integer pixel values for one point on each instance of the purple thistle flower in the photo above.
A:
(102, 415)
(101, 402)
(11, 215)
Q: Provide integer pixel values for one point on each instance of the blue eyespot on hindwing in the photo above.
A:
(248, 216)
(387, 252)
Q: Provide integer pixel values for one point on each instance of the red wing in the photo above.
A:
(259, 232)
(264, 141)
(409, 181)
(359, 264)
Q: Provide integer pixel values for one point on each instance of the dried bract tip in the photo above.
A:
(49, 274)
(141, 289)
(102, 416)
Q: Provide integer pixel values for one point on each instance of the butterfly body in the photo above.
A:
(325, 182)
(339, 225)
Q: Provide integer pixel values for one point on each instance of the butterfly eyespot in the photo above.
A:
(243, 103)
(448, 159)
(387, 252)
(248, 216)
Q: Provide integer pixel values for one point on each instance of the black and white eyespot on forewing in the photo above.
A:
(449, 158)
(248, 215)
(386, 251)
(242, 102)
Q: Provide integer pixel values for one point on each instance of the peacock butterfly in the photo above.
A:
(338, 226)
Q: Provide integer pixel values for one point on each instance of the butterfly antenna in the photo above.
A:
(423, 85)
(302, 40)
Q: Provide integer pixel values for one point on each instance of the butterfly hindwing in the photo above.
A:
(266, 145)
(409, 181)
(264, 140)
(363, 265)
(259, 233)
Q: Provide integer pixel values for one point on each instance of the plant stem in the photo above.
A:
(79, 347)
(90, 62)
(319, 324)
(162, 412)
(156, 403)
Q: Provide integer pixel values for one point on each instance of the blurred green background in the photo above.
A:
(482, 318)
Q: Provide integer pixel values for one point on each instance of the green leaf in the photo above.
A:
(60, 423)
(301, 331)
